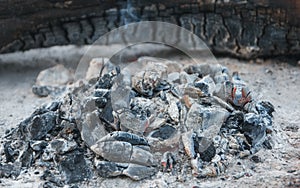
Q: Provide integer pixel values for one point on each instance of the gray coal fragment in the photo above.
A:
(265, 107)
(102, 93)
(61, 146)
(105, 82)
(53, 106)
(147, 81)
(100, 102)
(267, 144)
(9, 170)
(38, 145)
(256, 159)
(234, 121)
(52, 183)
(69, 130)
(130, 138)
(91, 128)
(121, 93)
(37, 126)
(41, 91)
(164, 132)
(9, 152)
(206, 85)
(139, 172)
(26, 156)
(174, 77)
(168, 161)
(51, 179)
(185, 78)
(131, 121)
(134, 171)
(109, 169)
(74, 167)
(205, 147)
(254, 128)
(18, 151)
(107, 113)
(44, 91)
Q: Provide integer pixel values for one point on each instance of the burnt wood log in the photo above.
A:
(246, 29)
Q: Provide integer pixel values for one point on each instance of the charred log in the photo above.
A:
(246, 29)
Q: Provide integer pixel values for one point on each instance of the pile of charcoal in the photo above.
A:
(150, 116)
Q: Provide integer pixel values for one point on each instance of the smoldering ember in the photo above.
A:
(138, 121)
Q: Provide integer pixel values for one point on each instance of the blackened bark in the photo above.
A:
(247, 29)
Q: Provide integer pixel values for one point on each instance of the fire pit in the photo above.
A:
(143, 120)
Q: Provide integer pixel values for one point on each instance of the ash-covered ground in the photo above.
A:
(274, 81)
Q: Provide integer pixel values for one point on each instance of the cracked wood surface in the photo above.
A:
(246, 29)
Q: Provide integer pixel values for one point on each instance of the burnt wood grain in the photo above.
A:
(246, 29)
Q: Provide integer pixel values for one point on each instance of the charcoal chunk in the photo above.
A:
(105, 82)
(53, 106)
(51, 179)
(234, 121)
(164, 132)
(41, 91)
(61, 146)
(109, 169)
(205, 148)
(8, 170)
(9, 152)
(254, 128)
(37, 126)
(107, 113)
(38, 145)
(26, 157)
(265, 107)
(74, 167)
(101, 102)
(133, 139)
